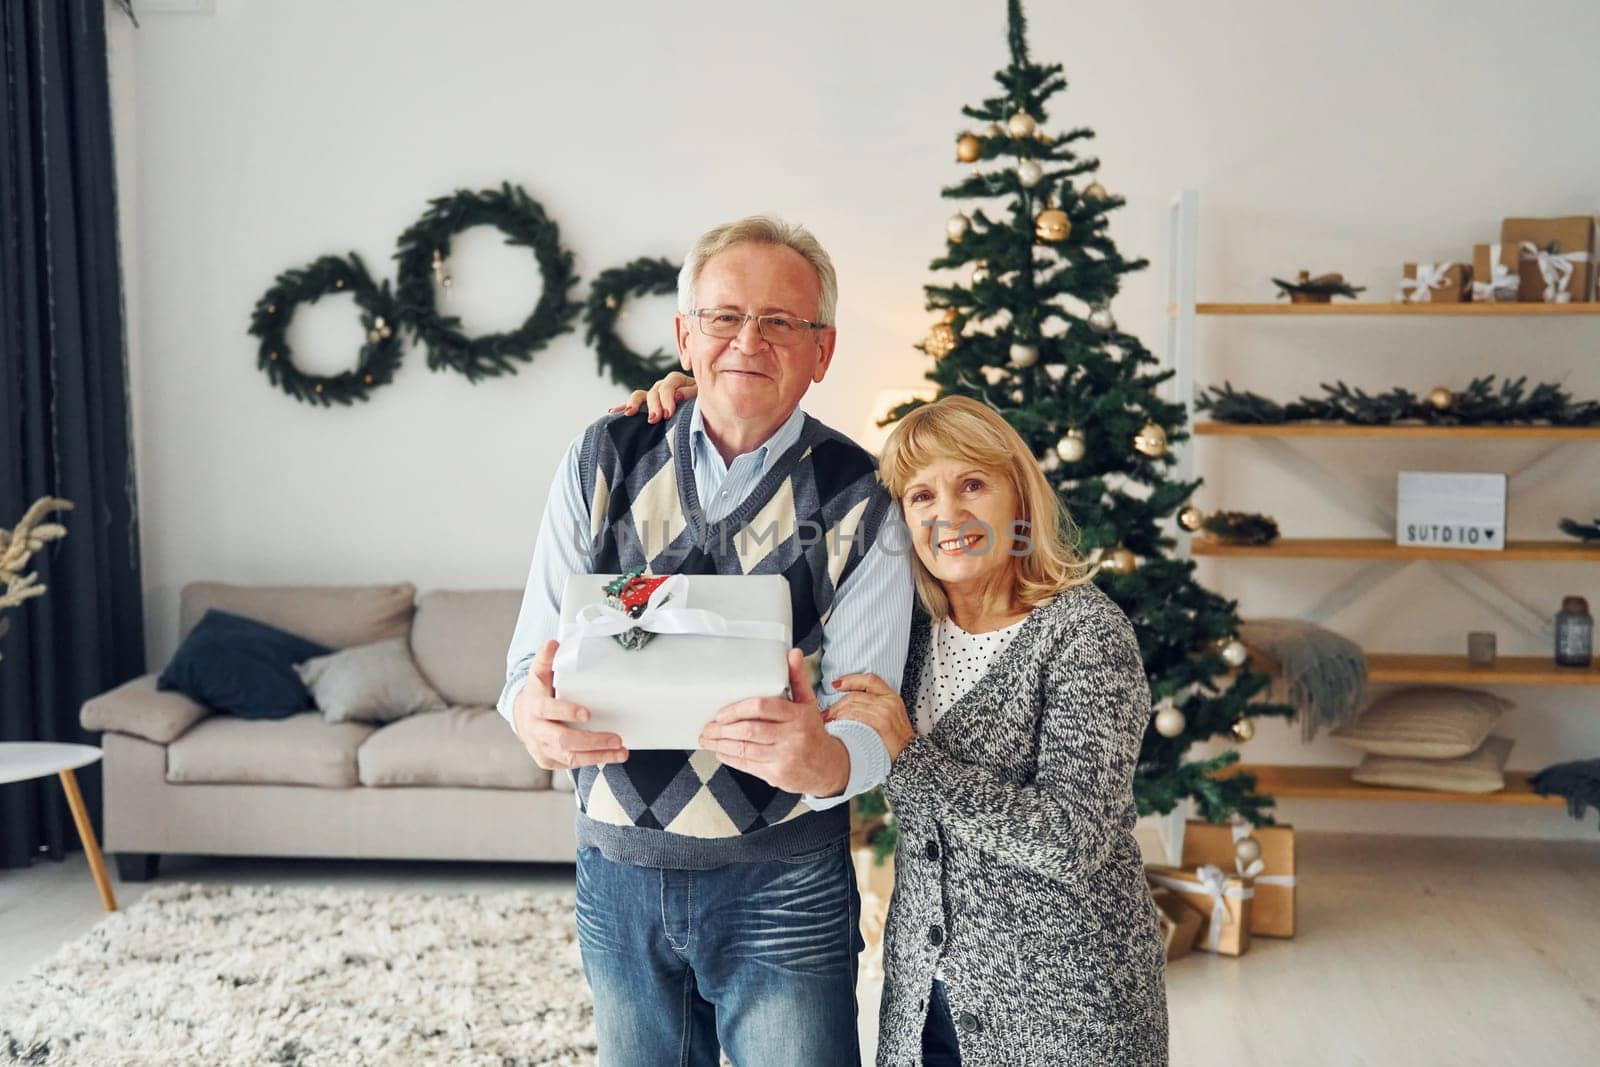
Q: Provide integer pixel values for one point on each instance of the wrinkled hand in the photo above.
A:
(869, 699)
(782, 742)
(661, 398)
(540, 721)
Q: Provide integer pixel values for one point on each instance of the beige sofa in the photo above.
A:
(455, 784)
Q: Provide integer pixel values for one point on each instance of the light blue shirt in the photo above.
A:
(866, 632)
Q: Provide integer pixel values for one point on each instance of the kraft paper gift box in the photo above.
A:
(1222, 899)
(1553, 258)
(1180, 924)
(1272, 910)
(712, 639)
(1437, 283)
(1492, 280)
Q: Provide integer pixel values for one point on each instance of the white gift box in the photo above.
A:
(717, 638)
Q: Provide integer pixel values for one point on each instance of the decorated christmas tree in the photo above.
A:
(1026, 326)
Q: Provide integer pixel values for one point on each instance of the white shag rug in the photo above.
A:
(194, 974)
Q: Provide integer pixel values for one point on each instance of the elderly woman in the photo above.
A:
(1021, 930)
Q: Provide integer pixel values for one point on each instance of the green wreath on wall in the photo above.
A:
(306, 285)
(421, 257)
(642, 277)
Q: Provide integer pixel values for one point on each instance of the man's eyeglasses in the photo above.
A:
(778, 329)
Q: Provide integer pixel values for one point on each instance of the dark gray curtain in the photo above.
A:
(64, 427)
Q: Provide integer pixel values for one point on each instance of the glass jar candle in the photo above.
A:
(1574, 633)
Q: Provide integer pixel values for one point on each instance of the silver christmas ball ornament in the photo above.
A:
(1024, 355)
(1021, 124)
(1170, 721)
(1101, 321)
(1234, 653)
(1071, 447)
(1029, 173)
(956, 226)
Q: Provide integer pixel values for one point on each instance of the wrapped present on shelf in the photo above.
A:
(1436, 283)
(653, 657)
(1554, 259)
(1270, 867)
(1180, 924)
(1492, 280)
(1222, 899)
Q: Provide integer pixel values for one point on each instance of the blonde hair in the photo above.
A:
(760, 230)
(958, 427)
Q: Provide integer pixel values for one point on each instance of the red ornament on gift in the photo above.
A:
(630, 593)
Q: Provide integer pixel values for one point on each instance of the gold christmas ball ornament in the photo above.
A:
(968, 148)
(272, 309)
(1243, 730)
(1018, 396)
(1191, 518)
(992, 129)
(1119, 561)
(1095, 191)
(956, 226)
(1024, 355)
(1029, 173)
(1151, 441)
(1234, 653)
(367, 378)
(1052, 224)
(373, 337)
(1170, 721)
(1021, 124)
(1042, 137)
(941, 340)
(1247, 849)
(1071, 447)
(1441, 398)
(611, 301)
(1101, 320)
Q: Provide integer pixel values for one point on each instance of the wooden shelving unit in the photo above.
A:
(1334, 783)
(1434, 433)
(1379, 549)
(1383, 667)
(1361, 308)
(1422, 669)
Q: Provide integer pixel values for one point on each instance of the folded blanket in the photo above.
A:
(1323, 676)
(1578, 782)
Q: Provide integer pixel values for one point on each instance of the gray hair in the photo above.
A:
(760, 230)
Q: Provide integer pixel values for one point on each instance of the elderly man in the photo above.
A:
(716, 901)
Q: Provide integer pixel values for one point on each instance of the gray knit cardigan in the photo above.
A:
(1017, 874)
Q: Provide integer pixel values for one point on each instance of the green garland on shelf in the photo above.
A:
(421, 255)
(642, 277)
(379, 357)
(1583, 532)
(1480, 404)
(1241, 527)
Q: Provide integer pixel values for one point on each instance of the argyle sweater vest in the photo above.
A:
(811, 518)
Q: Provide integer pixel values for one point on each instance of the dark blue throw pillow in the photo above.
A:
(241, 666)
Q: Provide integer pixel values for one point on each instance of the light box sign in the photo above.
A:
(1452, 510)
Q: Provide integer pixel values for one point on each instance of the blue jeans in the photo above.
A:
(756, 958)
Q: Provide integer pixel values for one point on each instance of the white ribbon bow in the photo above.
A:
(1213, 882)
(1430, 276)
(1253, 869)
(603, 620)
(1556, 269)
(1501, 285)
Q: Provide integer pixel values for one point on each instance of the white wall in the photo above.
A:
(1350, 137)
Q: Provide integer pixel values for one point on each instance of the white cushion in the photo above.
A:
(379, 682)
(1428, 722)
(1481, 772)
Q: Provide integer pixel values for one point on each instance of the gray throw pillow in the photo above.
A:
(369, 683)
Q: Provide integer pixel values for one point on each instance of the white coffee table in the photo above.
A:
(21, 761)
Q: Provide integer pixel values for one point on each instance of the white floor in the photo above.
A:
(1412, 951)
